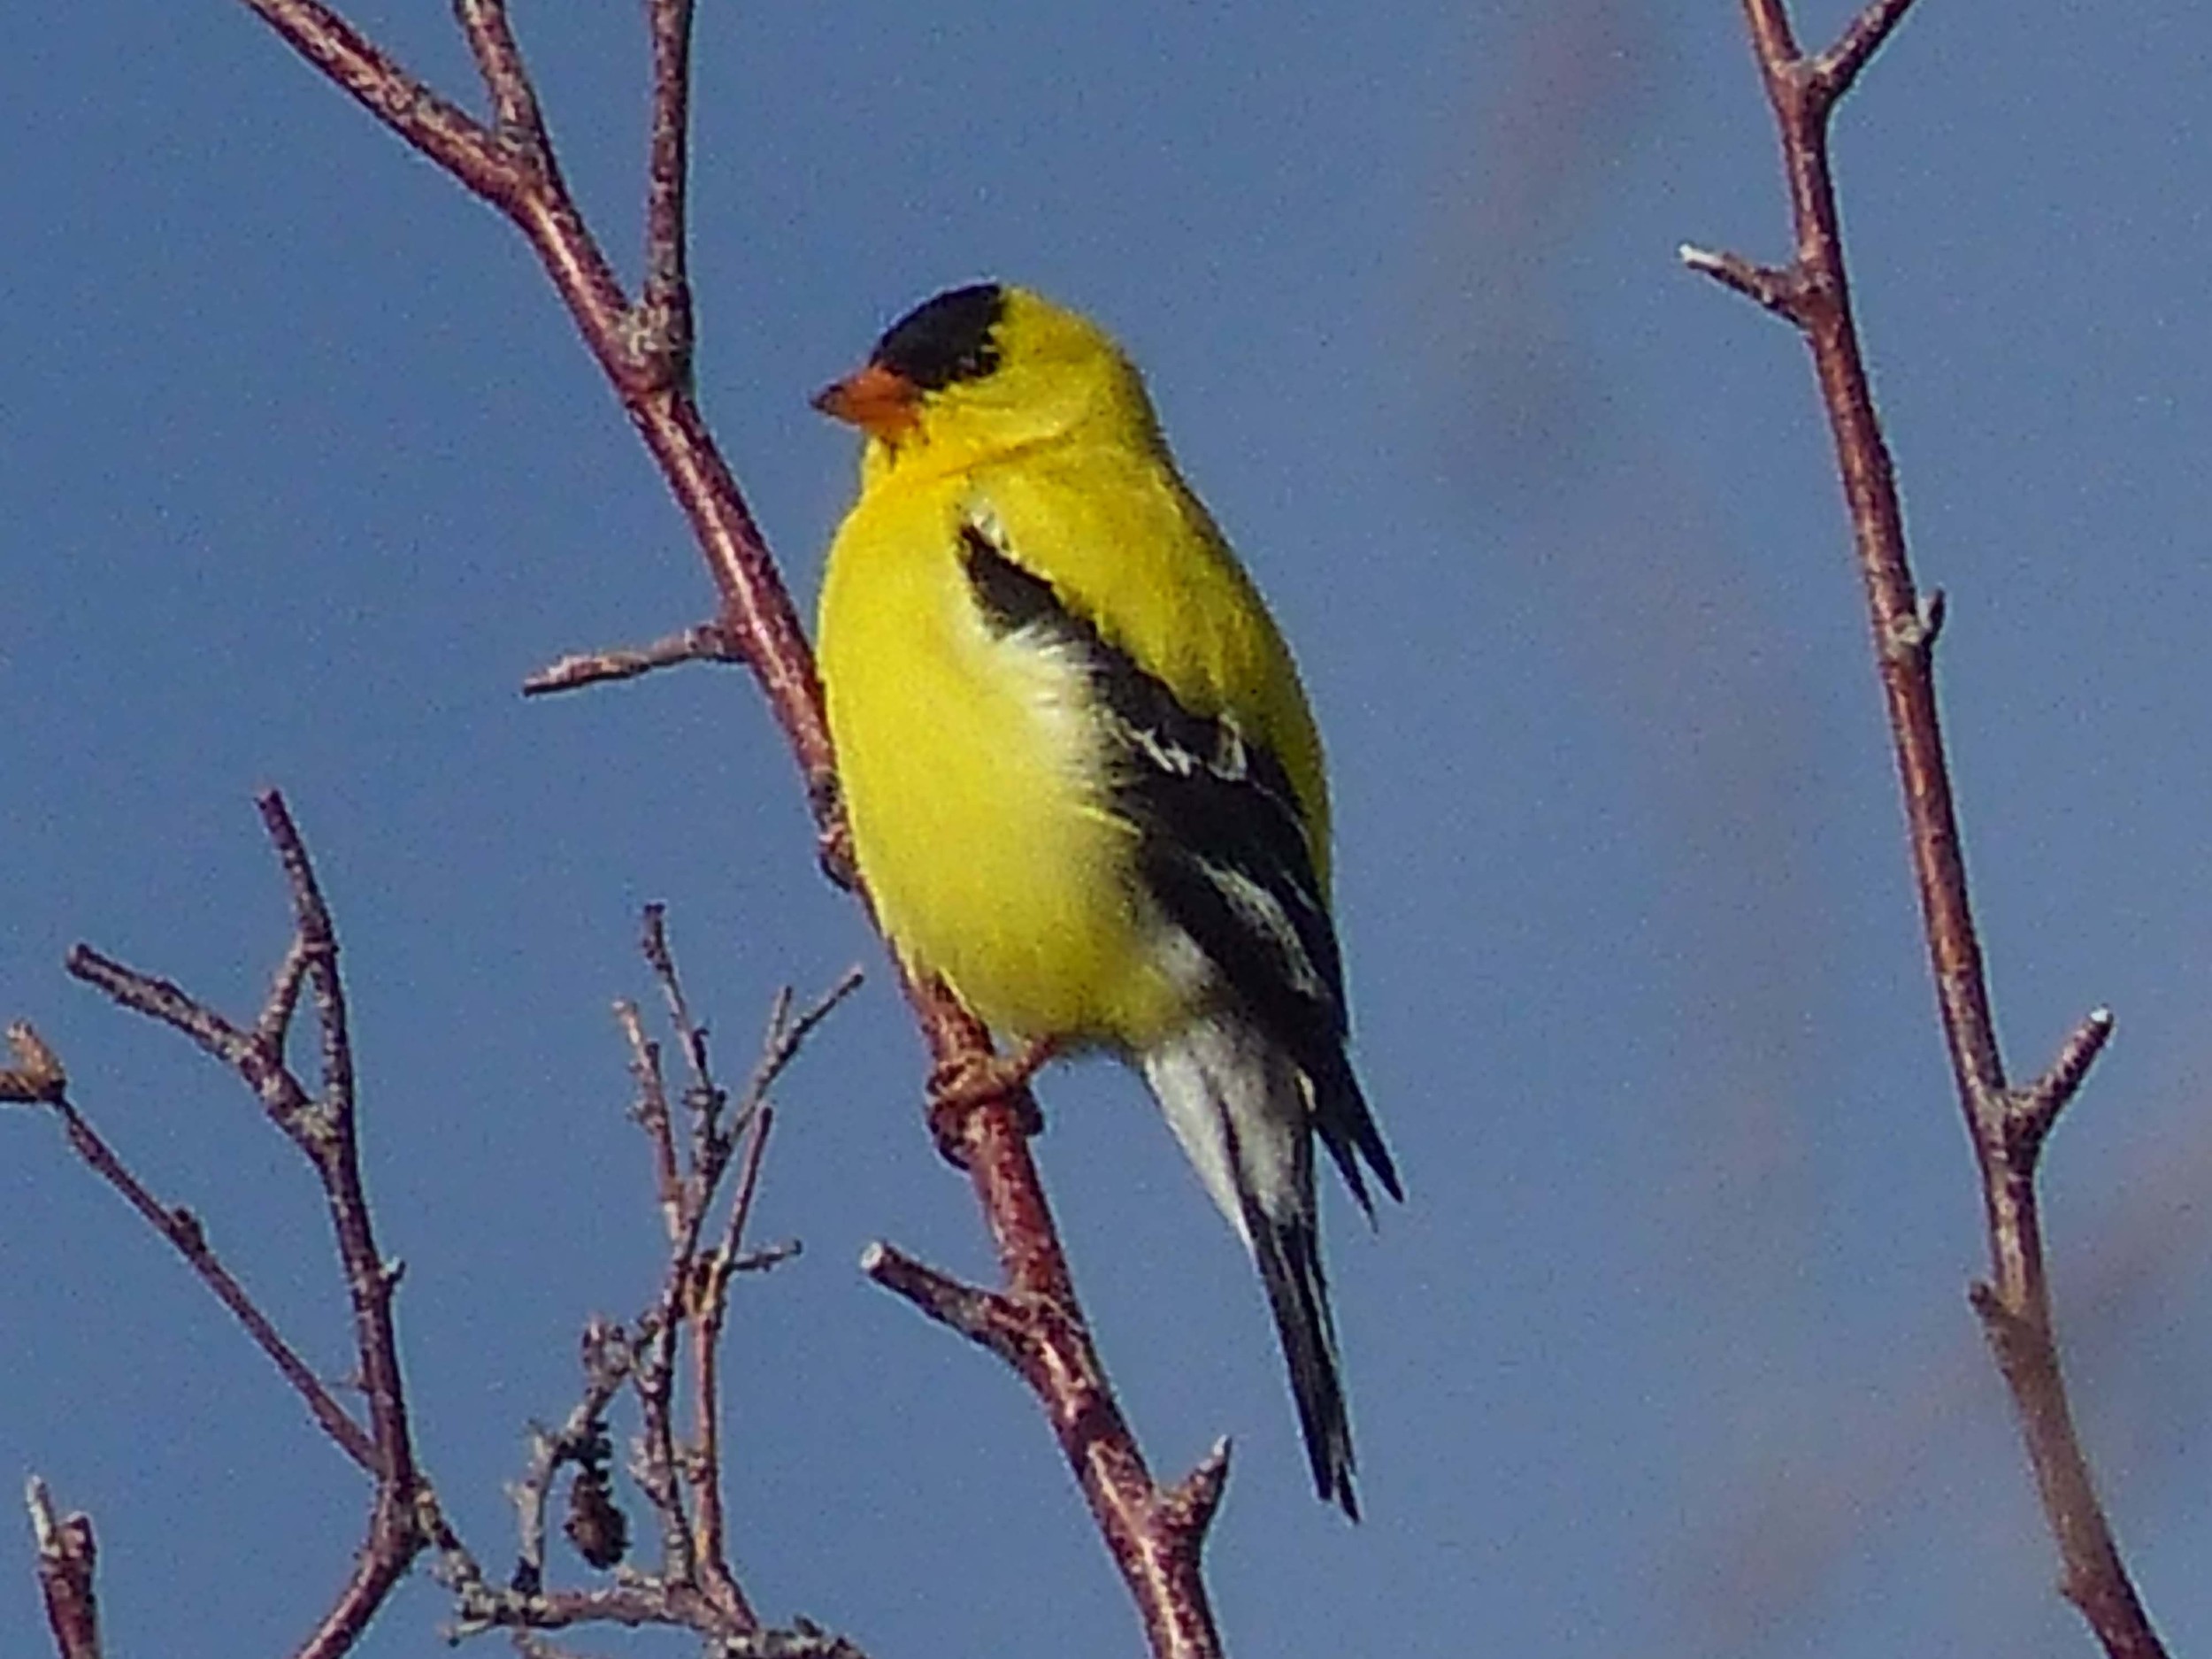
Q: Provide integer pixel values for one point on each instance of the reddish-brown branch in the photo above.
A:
(645, 352)
(2007, 1125)
(182, 1229)
(696, 1589)
(329, 1134)
(393, 1543)
(666, 290)
(710, 1305)
(1156, 1535)
(692, 1584)
(321, 1125)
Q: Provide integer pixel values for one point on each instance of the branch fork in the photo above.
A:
(694, 1588)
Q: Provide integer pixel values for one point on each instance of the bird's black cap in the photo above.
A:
(945, 339)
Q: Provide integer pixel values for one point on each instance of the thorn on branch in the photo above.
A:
(1186, 1509)
(2031, 1113)
(984, 1316)
(1781, 289)
(1932, 613)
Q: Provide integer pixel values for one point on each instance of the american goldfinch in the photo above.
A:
(1083, 785)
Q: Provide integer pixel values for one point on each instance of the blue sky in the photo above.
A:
(1668, 1352)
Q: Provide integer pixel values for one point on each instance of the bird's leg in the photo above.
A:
(958, 1087)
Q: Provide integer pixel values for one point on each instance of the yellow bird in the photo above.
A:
(1083, 783)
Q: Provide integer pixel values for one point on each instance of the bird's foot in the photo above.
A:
(959, 1087)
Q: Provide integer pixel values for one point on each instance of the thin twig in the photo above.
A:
(321, 1126)
(370, 1280)
(702, 642)
(651, 1115)
(692, 1587)
(709, 1304)
(711, 1144)
(2007, 1126)
(186, 1236)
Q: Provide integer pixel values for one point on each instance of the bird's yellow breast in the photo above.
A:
(975, 784)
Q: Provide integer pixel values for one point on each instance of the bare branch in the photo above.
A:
(692, 1587)
(709, 1305)
(186, 1236)
(984, 1316)
(651, 1115)
(284, 998)
(665, 325)
(440, 130)
(1156, 1535)
(160, 1001)
(787, 1034)
(696, 1589)
(321, 1126)
(331, 1144)
(704, 1099)
(499, 60)
(2007, 1126)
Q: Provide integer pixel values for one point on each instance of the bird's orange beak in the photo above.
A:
(881, 402)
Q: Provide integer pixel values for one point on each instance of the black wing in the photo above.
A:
(1222, 849)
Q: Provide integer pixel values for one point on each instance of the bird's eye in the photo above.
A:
(947, 339)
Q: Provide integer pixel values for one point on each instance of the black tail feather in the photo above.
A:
(1347, 1128)
(1289, 1256)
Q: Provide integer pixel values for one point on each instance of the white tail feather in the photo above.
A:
(1242, 1111)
